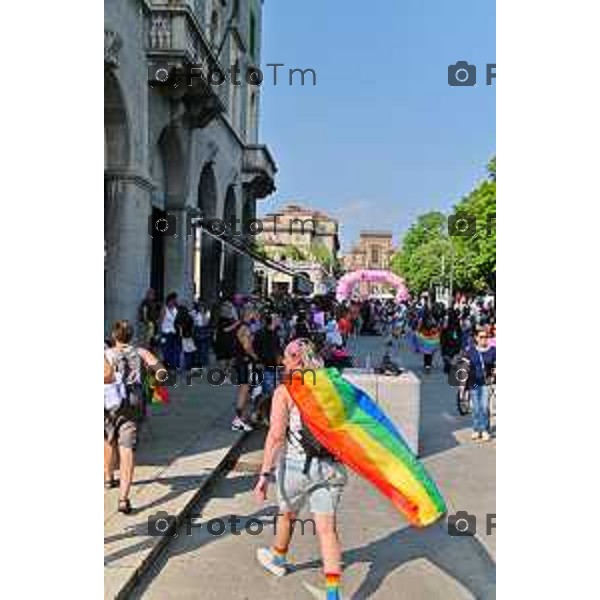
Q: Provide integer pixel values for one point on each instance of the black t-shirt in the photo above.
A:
(149, 311)
(268, 347)
(301, 330)
(239, 351)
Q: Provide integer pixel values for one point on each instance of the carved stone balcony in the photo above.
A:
(176, 42)
(112, 48)
(258, 169)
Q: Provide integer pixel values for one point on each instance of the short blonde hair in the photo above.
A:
(304, 349)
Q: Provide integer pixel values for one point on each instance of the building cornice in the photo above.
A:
(130, 176)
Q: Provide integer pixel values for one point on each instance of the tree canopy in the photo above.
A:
(429, 252)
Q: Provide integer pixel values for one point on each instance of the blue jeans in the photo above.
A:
(479, 399)
(269, 380)
(202, 340)
(171, 349)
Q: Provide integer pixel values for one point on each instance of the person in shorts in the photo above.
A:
(302, 480)
(244, 367)
(123, 407)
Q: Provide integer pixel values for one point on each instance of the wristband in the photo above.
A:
(268, 476)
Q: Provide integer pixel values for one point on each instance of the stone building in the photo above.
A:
(373, 251)
(306, 241)
(176, 149)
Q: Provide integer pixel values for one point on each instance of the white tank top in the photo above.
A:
(294, 447)
(168, 324)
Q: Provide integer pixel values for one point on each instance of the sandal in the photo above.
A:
(125, 506)
(110, 484)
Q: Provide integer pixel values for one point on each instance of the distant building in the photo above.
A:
(298, 236)
(373, 251)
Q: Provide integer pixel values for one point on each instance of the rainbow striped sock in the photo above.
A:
(332, 585)
(279, 555)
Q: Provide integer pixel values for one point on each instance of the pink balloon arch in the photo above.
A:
(347, 283)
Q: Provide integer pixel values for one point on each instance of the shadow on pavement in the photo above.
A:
(237, 485)
(464, 559)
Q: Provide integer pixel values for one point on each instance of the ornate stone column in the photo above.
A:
(245, 271)
(179, 258)
(127, 207)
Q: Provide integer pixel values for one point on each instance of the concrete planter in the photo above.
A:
(399, 396)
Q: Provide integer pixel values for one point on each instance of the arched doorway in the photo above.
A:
(207, 250)
(116, 129)
(116, 157)
(168, 264)
(231, 258)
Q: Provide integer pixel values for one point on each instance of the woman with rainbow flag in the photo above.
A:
(427, 338)
(328, 424)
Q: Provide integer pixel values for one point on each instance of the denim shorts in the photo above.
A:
(322, 487)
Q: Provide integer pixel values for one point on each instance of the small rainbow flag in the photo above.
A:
(347, 422)
(427, 342)
(157, 395)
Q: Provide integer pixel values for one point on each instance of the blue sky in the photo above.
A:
(382, 137)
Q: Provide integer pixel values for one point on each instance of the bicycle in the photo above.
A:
(463, 397)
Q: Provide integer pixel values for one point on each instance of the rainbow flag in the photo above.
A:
(427, 342)
(157, 395)
(353, 428)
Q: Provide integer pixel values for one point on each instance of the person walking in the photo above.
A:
(201, 316)
(224, 340)
(184, 326)
(244, 367)
(148, 317)
(170, 342)
(123, 405)
(450, 340)
(482, 359)
(267, 344)
(306, 474)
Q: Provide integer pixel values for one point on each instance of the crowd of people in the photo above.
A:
(250, 341)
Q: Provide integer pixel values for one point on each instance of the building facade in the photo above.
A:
(306, 241)
(179, 149)
(374, 250)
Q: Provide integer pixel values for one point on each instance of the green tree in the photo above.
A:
(420, 260)
(324, 256)
(478, 251)
(428, 254)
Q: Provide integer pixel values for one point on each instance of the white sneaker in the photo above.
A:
(269, 562)
(238, 425)
(485, 436)
(475, 435)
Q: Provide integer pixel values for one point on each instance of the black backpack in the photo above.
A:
(312, 448)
